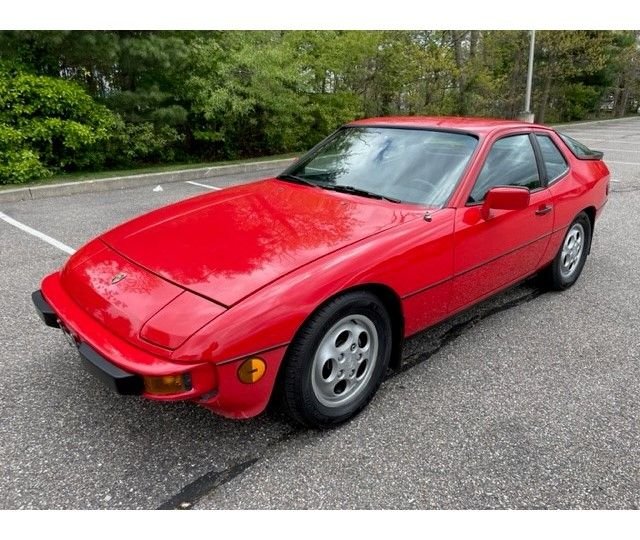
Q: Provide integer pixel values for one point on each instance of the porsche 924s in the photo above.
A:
(303, 287)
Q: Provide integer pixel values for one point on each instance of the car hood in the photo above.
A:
(228, 244)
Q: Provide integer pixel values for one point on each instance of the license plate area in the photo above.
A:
(71, 338)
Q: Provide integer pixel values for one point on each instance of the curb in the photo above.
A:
(137, 180)
(591, 122)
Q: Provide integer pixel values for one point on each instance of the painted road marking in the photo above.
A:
(605, 122)
(622, 162)
(37, 234)
(622, 151)
(202, 185)
(578, 133)
(616, 141)
(631, 126)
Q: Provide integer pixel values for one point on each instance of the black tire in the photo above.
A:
(554, 277)
(297, 394)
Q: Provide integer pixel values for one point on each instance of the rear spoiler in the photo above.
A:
(594, 155)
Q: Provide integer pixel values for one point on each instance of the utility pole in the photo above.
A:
(527, 115)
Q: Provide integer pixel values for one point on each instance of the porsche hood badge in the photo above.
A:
(118, 278)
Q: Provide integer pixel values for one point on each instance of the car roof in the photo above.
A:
(478, 126)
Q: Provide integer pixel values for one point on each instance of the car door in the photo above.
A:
(492, 253)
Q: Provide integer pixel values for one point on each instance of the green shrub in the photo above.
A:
(143, 142)
(49, 125)
(18, 164)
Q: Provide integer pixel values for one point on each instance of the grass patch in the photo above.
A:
(80, 176)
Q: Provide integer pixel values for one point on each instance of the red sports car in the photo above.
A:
(303, 287)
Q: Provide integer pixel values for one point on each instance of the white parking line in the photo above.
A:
(616, 141)
(37, 234)
(622, 162)
(624, 151)
(578, 133)
(202, 185)
(631, 121)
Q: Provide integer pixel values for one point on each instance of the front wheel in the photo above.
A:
(337, 361)
(567, 266)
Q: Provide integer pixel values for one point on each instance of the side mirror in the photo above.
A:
(505, 198)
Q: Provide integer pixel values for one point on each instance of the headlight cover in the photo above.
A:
(179, 319)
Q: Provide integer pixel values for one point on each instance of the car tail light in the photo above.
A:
(167, 384)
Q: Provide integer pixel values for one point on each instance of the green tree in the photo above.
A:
(246, 103)
(562, 57)
(623, 72)
(196, 95)
(137, 74)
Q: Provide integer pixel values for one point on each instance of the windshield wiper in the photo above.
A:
(336, 187)
(297, 179)
(358, 191)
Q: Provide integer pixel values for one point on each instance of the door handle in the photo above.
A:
(544, 209)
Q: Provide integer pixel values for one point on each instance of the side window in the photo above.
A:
(579, 150)
(553, 159)
(511, 162)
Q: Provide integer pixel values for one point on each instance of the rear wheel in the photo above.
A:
(567, 266)
(337, 361)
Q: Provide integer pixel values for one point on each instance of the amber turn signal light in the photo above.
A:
(251, 370)
(167, 384)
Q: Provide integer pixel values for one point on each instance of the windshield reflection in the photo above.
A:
(411, 165)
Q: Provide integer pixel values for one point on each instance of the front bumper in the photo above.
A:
(117, 363)
(120, 381)
(44, 310)
(122, 366)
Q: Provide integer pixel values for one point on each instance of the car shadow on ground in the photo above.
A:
(420, 347)
(185, 448)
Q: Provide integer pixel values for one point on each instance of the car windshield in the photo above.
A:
(409, 165)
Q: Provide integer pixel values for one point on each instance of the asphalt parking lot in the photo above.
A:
(530, 400)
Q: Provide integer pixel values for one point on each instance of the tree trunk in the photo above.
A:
(544, 100)
(510, 107)
(473, 47)
(624, 101)
(457, 38)
(429, 88)
(616, 96)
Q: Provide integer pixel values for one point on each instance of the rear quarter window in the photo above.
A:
(578, 149)
(554, 161)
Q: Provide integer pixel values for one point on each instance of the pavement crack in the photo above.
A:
(205, 484)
